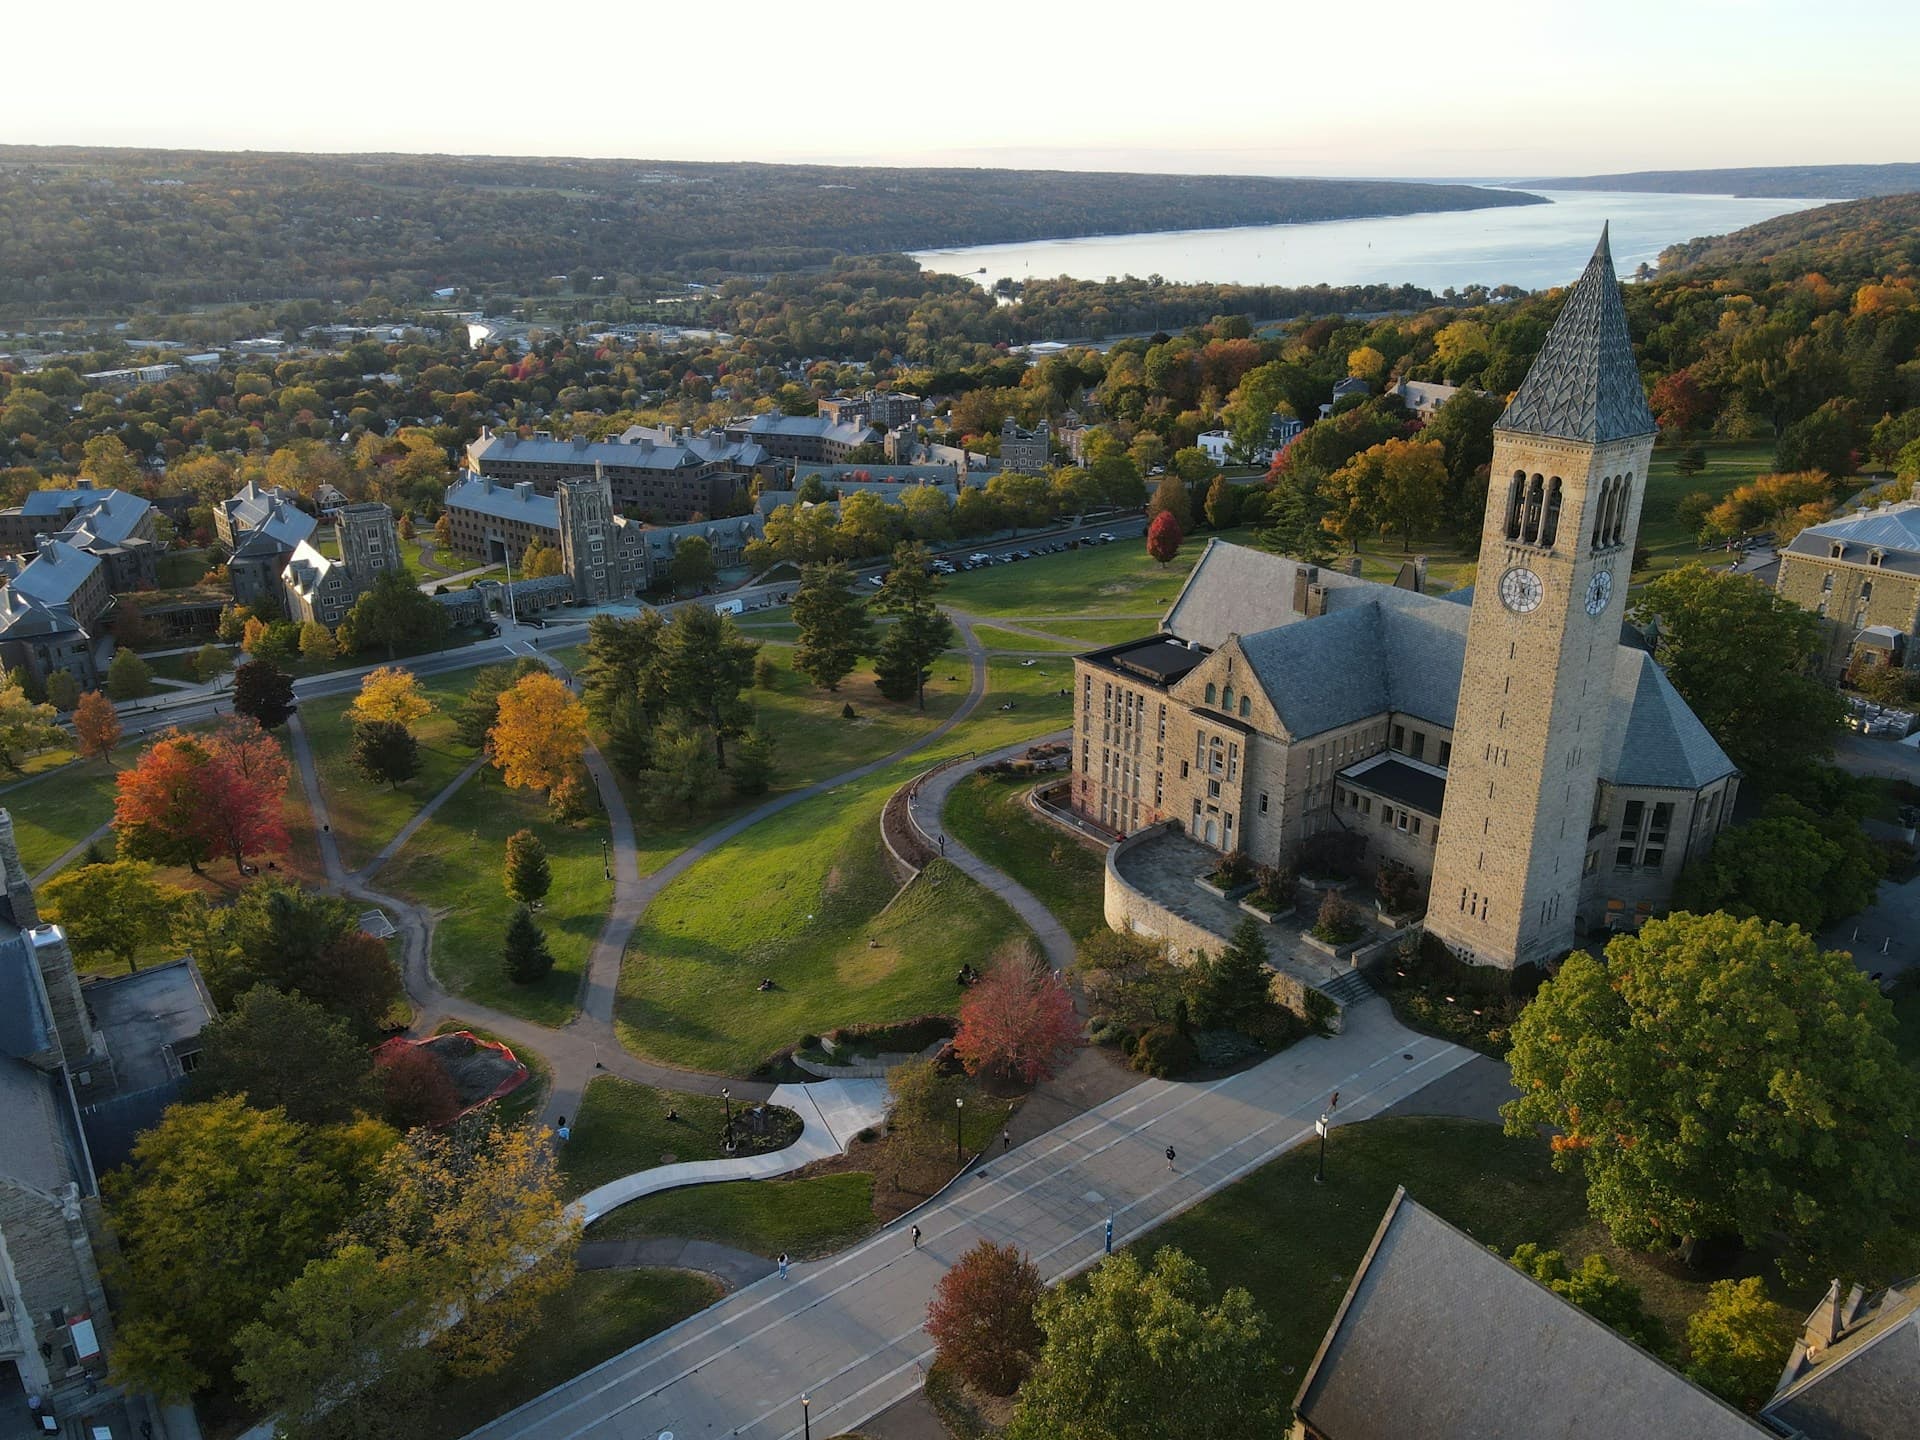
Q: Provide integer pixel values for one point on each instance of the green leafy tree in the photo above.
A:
(25, 727)
(528, 874)
(1231, 989)
(834, 629)
(385, 752)
(1223, 504)
(263, 692)
(232, 625)
(706, 665)
(317, 642)
(1743, 659)
(392, 615)
(63, 691)
(525, 953)
(210, 662)
(1716, 1076)
(480, 709)
(919, 632)
(692, 568)
(1150, 1355)
(1600, 1290)
(128, 676)
(300, 941)
(113, 910)
(1737, 1342)
(276, 1050)
(216, 1178)
(1464, 428)
(1791, 865)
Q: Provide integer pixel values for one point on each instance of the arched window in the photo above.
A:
(1226, 699)
(1550, 520)
(1600, 513)
(1246, 706)
(1530, 525)
(1213, 833)
(1213, 693)
(1620, 496)
(1515, 493)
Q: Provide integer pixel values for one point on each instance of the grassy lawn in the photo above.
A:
(452, 865)
(180, 568)
(1120, 578)
(796, 899)
(989, 815)
(995, 638)
(57, 811)
(623, 1127)
(805, 1218)
(598, 1315)
(816, 742)
(1032, 688)
(365, 816)
(179, 667)
(1661, 535)
(1092, 633)
(1295, 1245)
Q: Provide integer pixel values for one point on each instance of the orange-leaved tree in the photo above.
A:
(390, 693)
(982, 1317)
(188, 797)
(96, 725)
(1019, 1020)
(540, 733)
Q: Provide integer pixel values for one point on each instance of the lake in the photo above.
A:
(1532, 246)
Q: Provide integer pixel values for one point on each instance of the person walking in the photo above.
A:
(782, 1262)
(1109, 1235)
(1170, 1159)
(915, 1232)
(1006, 1141)
(563, 1130)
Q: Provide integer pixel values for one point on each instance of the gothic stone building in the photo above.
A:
(318, 587)
(1861, 575)
(1510, 744)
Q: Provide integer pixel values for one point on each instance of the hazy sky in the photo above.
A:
(1495, 89)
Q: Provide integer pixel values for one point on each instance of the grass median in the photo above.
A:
(805, 1218)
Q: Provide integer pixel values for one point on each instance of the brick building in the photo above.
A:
(689, 477)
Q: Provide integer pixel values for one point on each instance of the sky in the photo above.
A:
(1496, 89)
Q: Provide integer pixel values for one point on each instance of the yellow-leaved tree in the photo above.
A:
(390, 693)
(539, 734)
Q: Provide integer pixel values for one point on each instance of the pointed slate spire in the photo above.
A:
(1584, 384)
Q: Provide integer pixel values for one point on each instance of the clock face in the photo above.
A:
(1521, 590)
(1599, 591)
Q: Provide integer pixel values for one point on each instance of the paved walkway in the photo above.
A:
(847, 1330)
(831, 1112)
(72, 853)
(731, 1267)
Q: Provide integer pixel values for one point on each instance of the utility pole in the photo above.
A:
(1320, 1175)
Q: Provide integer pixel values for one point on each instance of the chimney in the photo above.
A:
(58, 973)
(579, 441)
(1824, 1325)
(523, 491)
(1350, 565)
(83, 483)
(1305, 578)
(486, 482)
(47, 552)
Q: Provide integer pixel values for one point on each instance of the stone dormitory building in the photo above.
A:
(1513, 745)
(669, 475)
(1861, 575)
(84, 1068)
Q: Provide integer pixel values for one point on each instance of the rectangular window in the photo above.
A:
(1419, 744)
(1183, 769)
(1400, 820)
(1213, 789)
(1400, 737)
(1446, 753)
(1263, 802)
(1416, 824)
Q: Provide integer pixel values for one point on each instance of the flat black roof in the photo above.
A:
(1406, 784)
(1158, 659)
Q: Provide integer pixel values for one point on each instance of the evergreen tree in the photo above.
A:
(919, 633)
(385, 752)
(834, 629)
(528, 875)
(1231, 989)
(683, 773)
(755, 762)
(706, 663)
(623, 658)
(527, 958)
(264, 692)
(629, 737)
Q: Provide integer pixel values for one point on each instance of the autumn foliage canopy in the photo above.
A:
(1017, 1021)
(189, 797)
(1164, 537)
(539, 734)
(982, 1317)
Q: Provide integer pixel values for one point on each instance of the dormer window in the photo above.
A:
(1836, 549)
(1876, 556)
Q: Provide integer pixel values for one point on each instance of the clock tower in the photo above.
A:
(1569, 473)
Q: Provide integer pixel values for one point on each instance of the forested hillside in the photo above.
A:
(1817, 182)
(1858, 239)
(91, 228)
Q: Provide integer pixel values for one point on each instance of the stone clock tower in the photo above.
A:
(1568, 475)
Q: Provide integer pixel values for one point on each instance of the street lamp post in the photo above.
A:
(959, 1107)
(806, 1415)
(726, 1099)
(1320, 1175)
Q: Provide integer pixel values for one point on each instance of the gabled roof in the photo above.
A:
(22, 617)
(55, 572)
(112, 519)
(1362, 659)
(1441, 1339)
(1864, 1384)
(253, 503)
(1585, 383)
(307, 568)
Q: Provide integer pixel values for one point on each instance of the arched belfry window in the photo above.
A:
(1600, 513)
(1516, 493)
(1530, 524)
(1620, 510)
(1550, 520)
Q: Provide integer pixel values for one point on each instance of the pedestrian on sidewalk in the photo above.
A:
(1109, 1235)
(915, 1232)
(1170, 1159)
(783, 1262)
(1006, 1141)
(564, 1131)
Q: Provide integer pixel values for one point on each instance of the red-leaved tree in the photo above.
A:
(188, 797)
(1164, 537)
(1019, 1020)
(247, 786)
(982, 1317)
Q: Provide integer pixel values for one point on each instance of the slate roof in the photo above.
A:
(41, 1152)
(1865, 1385)
(253, 503)
(1439, 1338)
(505, 502)
(1585, 384)
(25, 1027)
(1893, 529)
(22, 616)
(307, 568)
(584, 455)
(849, 432)
(64, 502)
(1380, 648)
(55, 572)
(732, 532)
(111, 520)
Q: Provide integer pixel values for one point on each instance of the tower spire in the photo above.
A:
(1585, 384)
